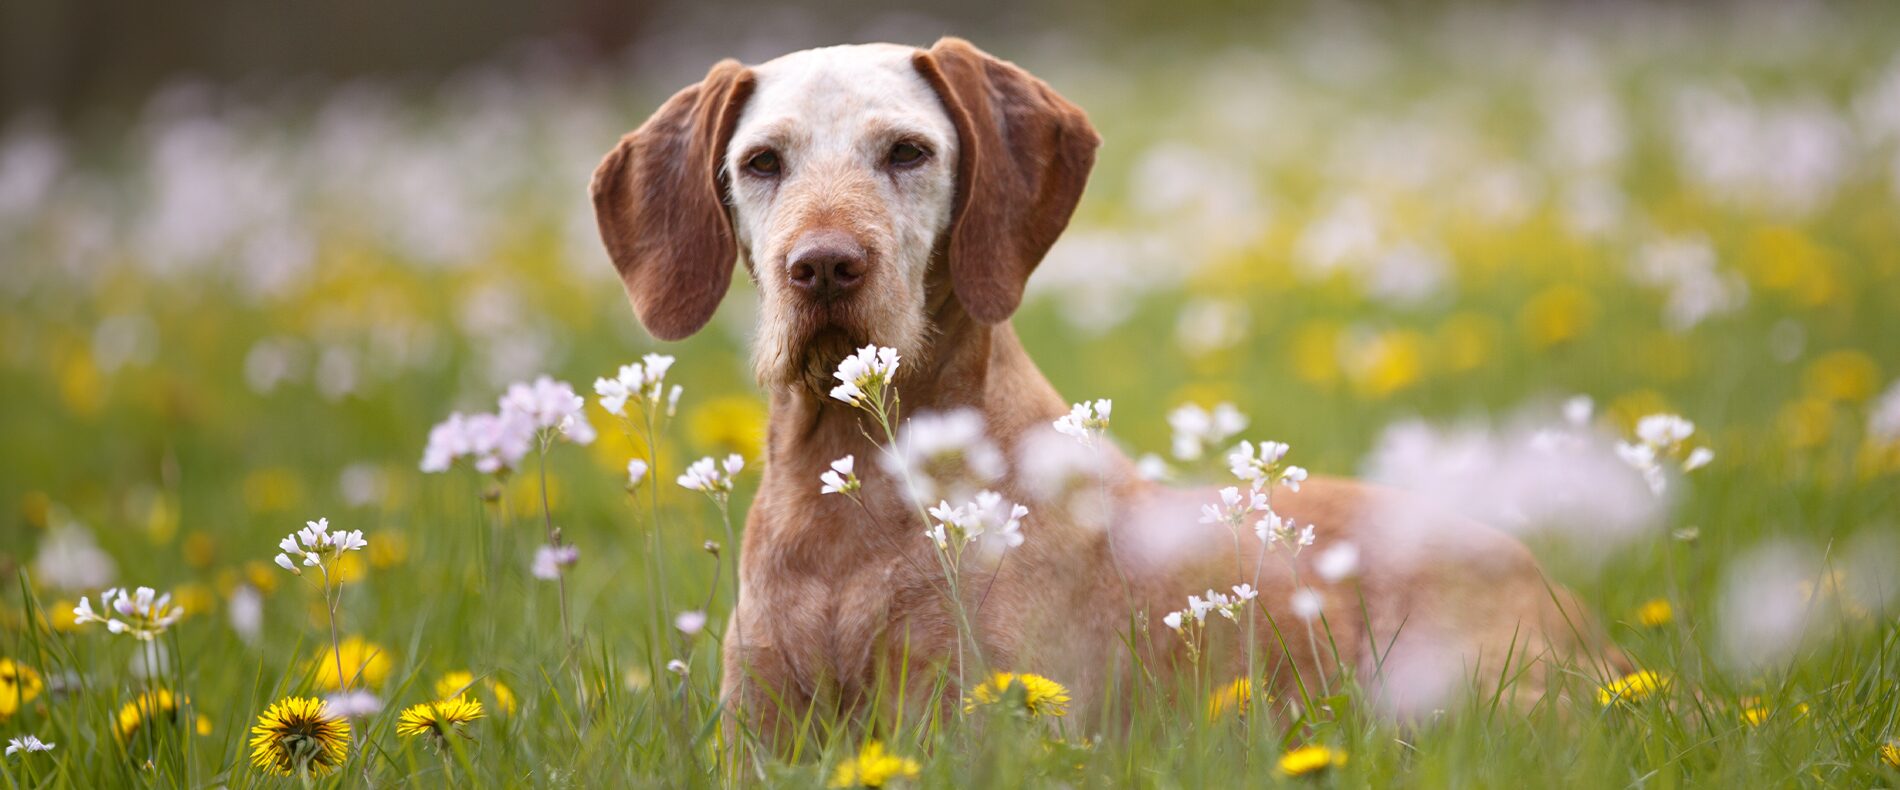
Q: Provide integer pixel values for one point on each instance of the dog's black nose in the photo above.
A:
(826, 264)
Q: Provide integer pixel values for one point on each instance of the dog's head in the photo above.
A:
(843, 176)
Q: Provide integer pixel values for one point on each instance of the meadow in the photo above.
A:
(1404, 246)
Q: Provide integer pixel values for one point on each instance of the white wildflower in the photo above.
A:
(840, 478)
(143, 613)
(636, 472)
(315, 544)
(1883, 422)
(1338, 561)
(690, 623)
(1234, 508)
(1306, 604)
(677, 667)
(27, 744)
(938, 449)
(358, 704)
(1085, 420)
(864, 376)
(645, 379)
(550, 405)
(1196, 429)
(1265, 468)
(711, 477)
(550, 560)
(1661, 437)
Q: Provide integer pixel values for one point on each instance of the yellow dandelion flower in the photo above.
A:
(1634, 687)
(1040, 695)
(874, 767)
(60, 616)
(200, 549)
(19, 684)
(364, 662)
(1556, 315)
(1890, 754)
(1655, 613)
(1310, 760)
(1754, 713)
(732, 423)
(300, 734)
(1236, 697)
(438, 719)
(154, 707)
(459, 682)
(1844, 375)
(388, 549)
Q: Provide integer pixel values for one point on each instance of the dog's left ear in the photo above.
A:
(1026, 155)
(661, 205)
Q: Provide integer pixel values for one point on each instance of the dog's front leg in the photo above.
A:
(762, 698)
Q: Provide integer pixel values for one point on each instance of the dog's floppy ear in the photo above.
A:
(661, 205)
(1026, 155)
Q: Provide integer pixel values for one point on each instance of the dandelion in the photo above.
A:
(1085, 421)
(460, 682)
(690, 623)
(19, 684)
(153, 708)
(28, 744)
(1634, 687)
(439, 719)
(840, 478)
(1197, 429)
(355, 658)
(300, 735)
(874, 767)
(1754, 713)
(1040, 696)
(1655, 613)
(712, 478)
(636, 473)
(864, 376)
(143, 613)
(549, 561)
(1311, 759)
(1236, 696)
(1890, 754)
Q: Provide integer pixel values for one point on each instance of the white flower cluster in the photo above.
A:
(645, 379)
(549, 560)
(1085, 420)
(864, 376)
(1199, 606)
(942, 447)
(28, 744)
(987, 518)
(497, 442)
(1661, 437)
(316, 543)
(1883, 422)
(840, 478)
(1264, 469)
(1273, 530)
(143, 613)
(1197, 429)
(710, 477)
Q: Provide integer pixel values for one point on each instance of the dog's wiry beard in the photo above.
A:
(803, 352)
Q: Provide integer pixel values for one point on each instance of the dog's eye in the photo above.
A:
(908, 155)
(763, 163)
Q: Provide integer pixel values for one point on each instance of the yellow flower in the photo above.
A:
(1655, 613)
(1236, 696)
(1557, 314)
(1845, 375)
(366, 664)
(160, 707)
(874, 767)
(300, 734)
(1041, 696)
(729, 424)
(60, 615)
(272, 490)
(1890, 754)
(1634, 687)
(439, 718)
(200, 549)
(19, 684)
(1464, 342)
(388, 549)
(457, 683)
(1387, 362)
(1310, 759)
(1754, 712)
(195, 597)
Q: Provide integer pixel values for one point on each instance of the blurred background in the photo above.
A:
(253, 251)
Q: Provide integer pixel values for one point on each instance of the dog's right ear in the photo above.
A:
(660, 202)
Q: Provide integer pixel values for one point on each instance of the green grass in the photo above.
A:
(187, 476)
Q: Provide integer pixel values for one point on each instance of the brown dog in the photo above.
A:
(898, 196)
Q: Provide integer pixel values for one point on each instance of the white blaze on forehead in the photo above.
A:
(825, 104)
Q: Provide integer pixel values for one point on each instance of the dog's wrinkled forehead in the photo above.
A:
(840, 101)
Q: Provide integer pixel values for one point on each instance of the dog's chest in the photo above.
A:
(829, 627)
